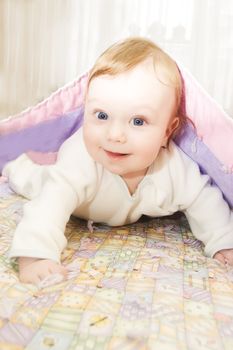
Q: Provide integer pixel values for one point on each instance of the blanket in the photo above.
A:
(141, 286)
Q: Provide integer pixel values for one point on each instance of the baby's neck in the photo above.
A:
(132, 181)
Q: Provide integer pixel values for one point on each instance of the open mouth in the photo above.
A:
(115, 155)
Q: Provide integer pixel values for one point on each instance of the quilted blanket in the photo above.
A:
(142, 286)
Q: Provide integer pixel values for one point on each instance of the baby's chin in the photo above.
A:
(115, 171)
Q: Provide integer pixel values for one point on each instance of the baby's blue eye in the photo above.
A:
(102, 115)
(138, 121)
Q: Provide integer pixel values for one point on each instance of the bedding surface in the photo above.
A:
(141, 286)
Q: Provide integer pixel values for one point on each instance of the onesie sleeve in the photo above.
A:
(40, 233)
(211, 220)
(208, 214)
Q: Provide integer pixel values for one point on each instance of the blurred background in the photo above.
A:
(45, 44)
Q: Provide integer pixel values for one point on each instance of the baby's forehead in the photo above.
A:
(145, 71)
(140, 83)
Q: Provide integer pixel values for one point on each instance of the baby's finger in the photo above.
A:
(50, 280)
(42, 274)
(220, 257)
(28, 278)
(229, 257)
(60, 269)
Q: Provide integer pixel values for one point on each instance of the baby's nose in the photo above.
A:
(116, 133)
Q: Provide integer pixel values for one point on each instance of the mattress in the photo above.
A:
(146, 285)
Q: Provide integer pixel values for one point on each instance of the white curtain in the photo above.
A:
(47, 43)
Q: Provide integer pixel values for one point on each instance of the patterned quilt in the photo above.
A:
(142, 286)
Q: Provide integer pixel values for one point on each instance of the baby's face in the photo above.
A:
(126, 120)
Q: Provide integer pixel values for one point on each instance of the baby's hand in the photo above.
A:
(32, 270)
(225, 256)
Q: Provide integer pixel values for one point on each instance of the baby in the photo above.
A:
(120, 165)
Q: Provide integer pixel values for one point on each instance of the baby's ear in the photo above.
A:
(173, 126)
(170, 130)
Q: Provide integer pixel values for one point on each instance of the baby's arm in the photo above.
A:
(208, 214)
(39, 237)
(40, 233)
(211, 221)
(32, 270)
